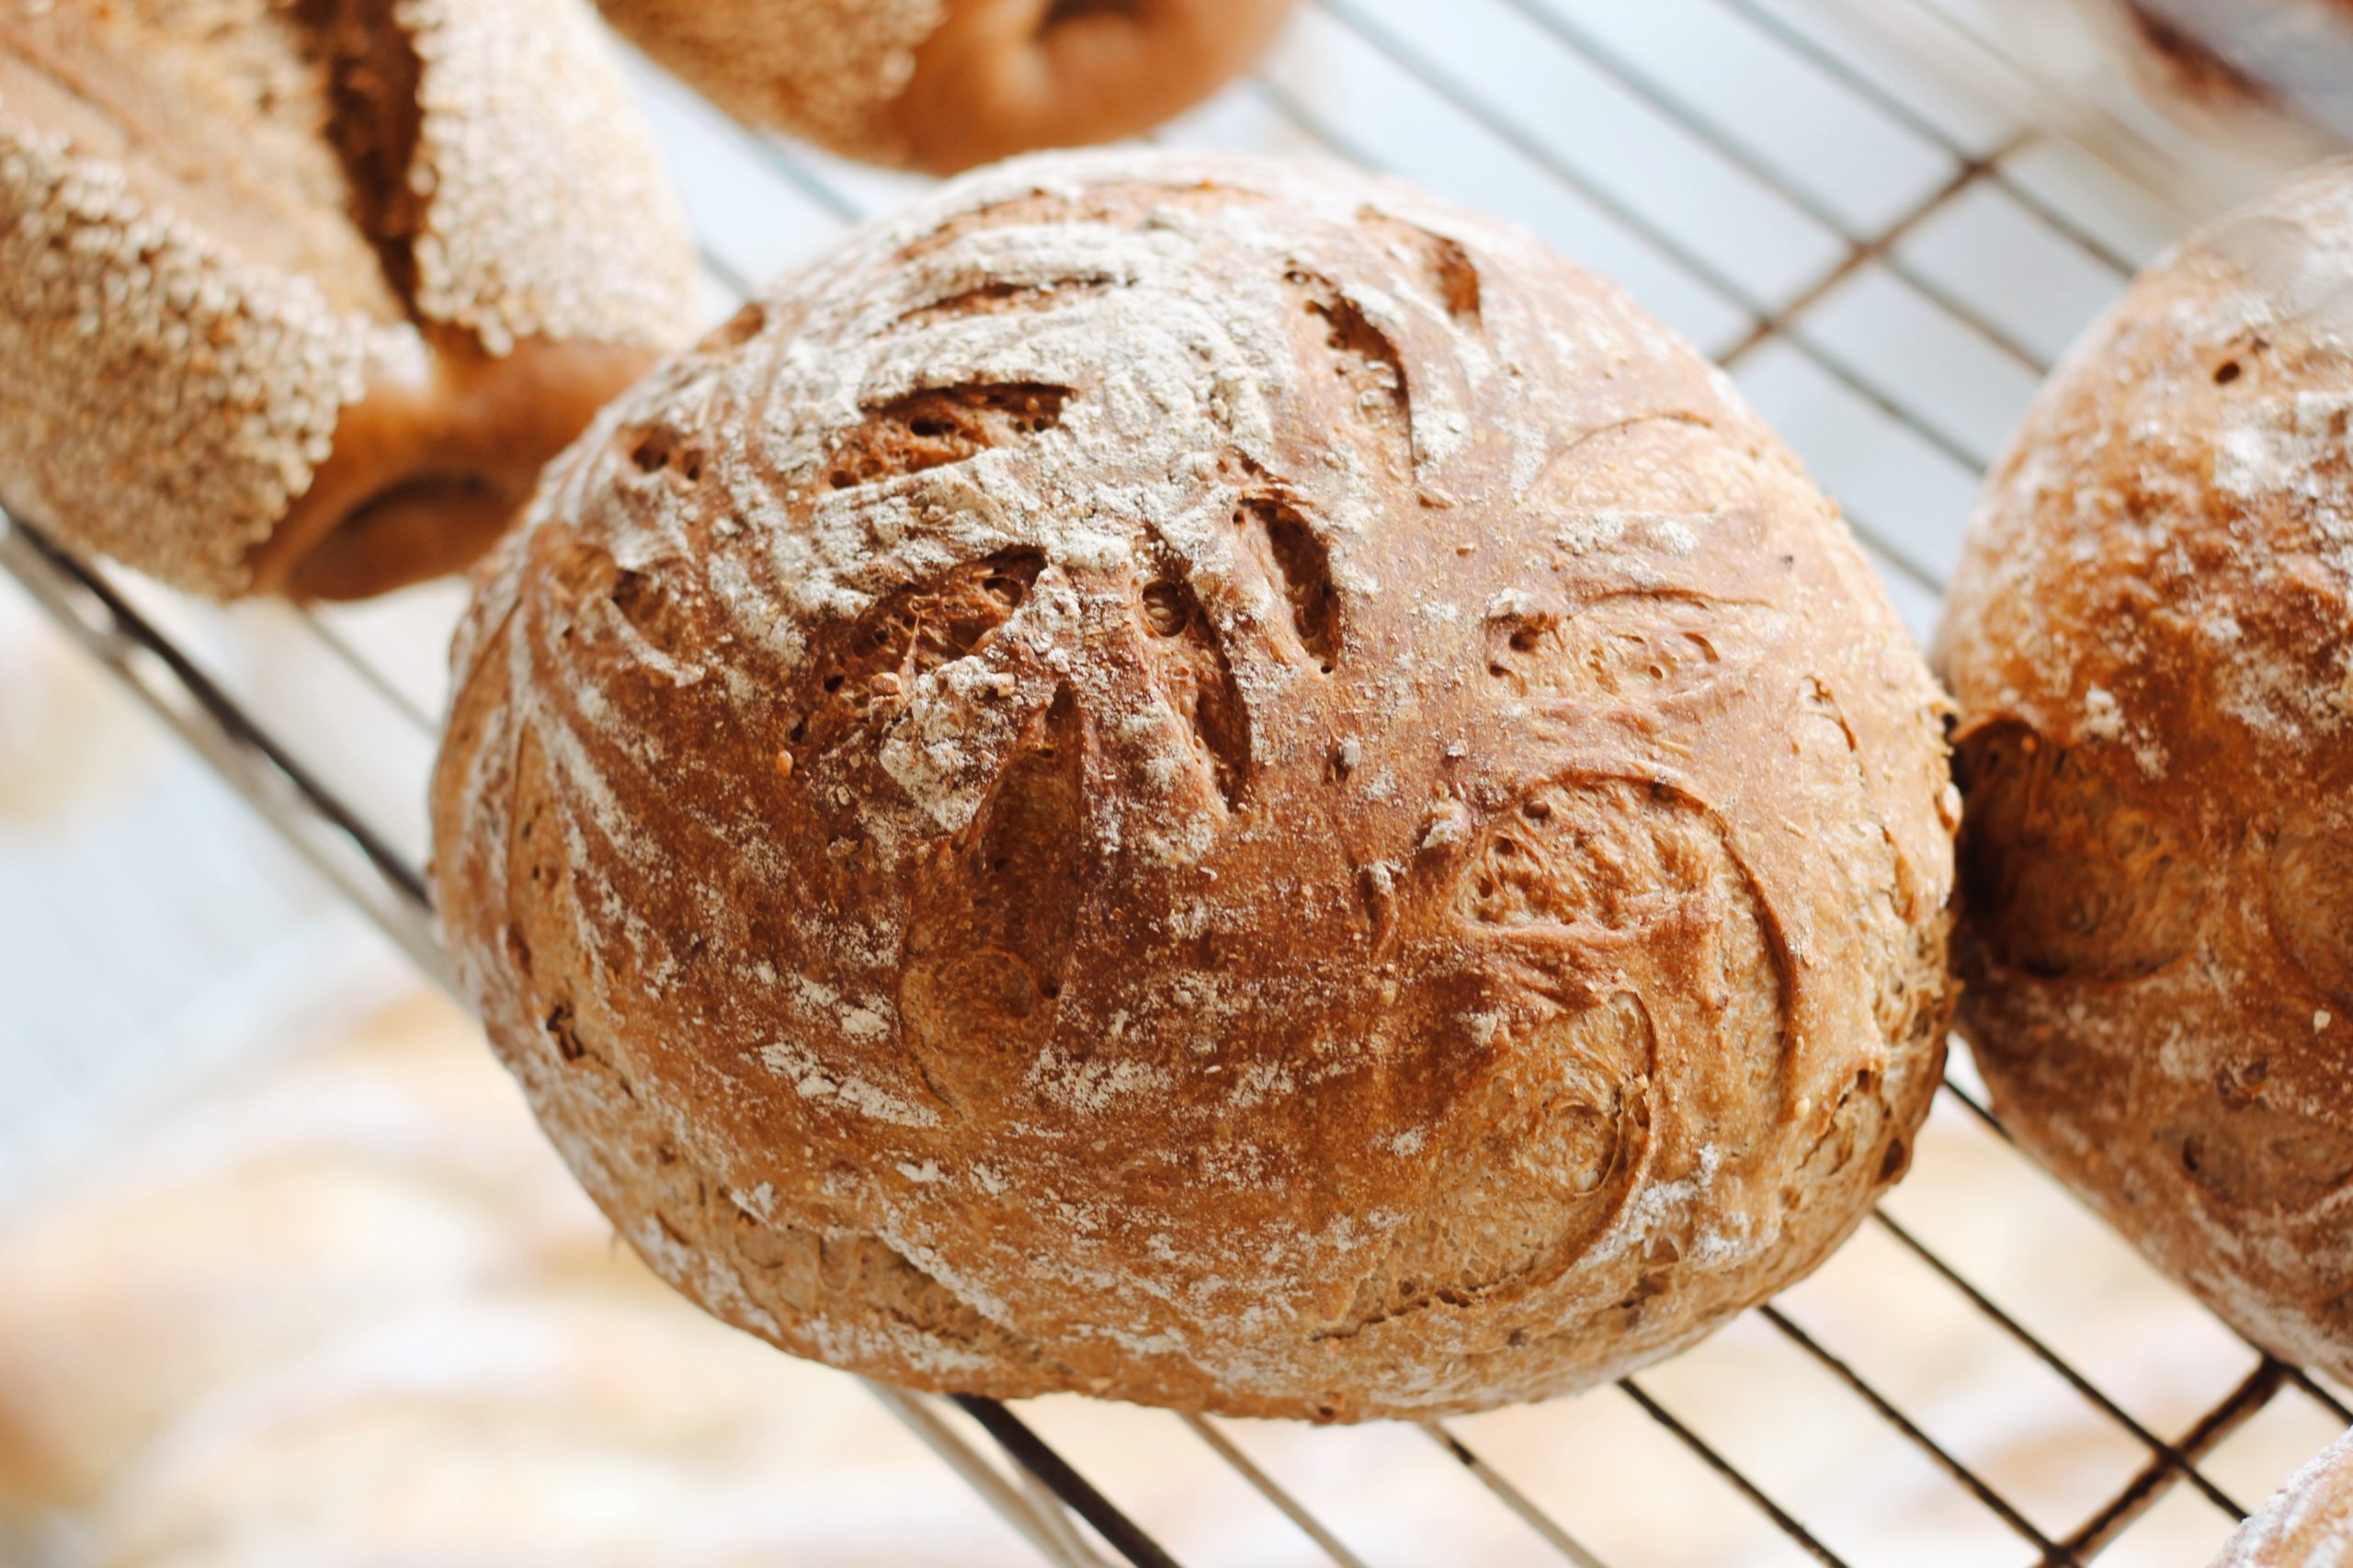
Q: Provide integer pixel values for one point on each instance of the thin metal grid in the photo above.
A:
(359, 859)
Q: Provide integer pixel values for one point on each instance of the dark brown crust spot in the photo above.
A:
(559, 1030)
(1191, 669)
(2308, 886)
(1297, 563)
(1366, 363)
(1125, 204)
(645, 601)
(989, 940)
(940, 425)
(379, 118)
(2063, 871)
(2263, 1156)
(1447, 271)
(660, 449)
(909, 633)
(999, 298)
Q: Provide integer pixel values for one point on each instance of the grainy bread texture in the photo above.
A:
(945, 84)
(301, 295)
(2151, 643)
(1207, 781)
(2307, 1524)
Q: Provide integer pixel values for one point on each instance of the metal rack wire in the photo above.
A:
(1839, 220)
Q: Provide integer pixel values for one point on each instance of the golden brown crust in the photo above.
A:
(2149, 642)
(1203, 780)
(2308, 1523)
(946, 84)
(425, 472)
(245, 249)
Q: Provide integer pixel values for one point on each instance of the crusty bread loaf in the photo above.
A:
(255, 1224)
(943, 85)
(1207, 781)
(299, 297)
(2150, 640)
(600, 1427)
(2274, 77)
(2307, 1524)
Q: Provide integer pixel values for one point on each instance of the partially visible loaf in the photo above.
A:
(946, 84)
(2271, 76)
(299, 297)
(1203, 780)
(2151, 639)
(2308, 1523)
(270, 1216)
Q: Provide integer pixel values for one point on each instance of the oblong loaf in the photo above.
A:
(303, 298)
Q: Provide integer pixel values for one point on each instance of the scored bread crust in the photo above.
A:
(216, 358)
(2308, 1522)
(2150, 640)
(946, 84)
(1208, 781)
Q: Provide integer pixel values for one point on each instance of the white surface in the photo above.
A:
(150, 926)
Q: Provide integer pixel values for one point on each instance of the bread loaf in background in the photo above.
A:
(2308, 1523)
(299, 298)
(600, 1427)
(943, 85)
(1207, 781)
(2151, 642)
(2272, 76)
(264, 1220)
(346, 1309)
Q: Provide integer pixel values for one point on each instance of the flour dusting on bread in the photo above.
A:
(1061, 747)
(2151, 637)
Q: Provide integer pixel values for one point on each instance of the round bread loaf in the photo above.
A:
(2307, 1524)
(943, 85)
(2150, 640)
(1205, 781)
(300, 298)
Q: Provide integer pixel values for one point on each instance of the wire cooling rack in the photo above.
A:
(1875, 215)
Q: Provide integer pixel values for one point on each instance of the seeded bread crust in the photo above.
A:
(302, 297)
(1207, 781)
(2307, 1524)
(946, 84)
(2150, 638)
